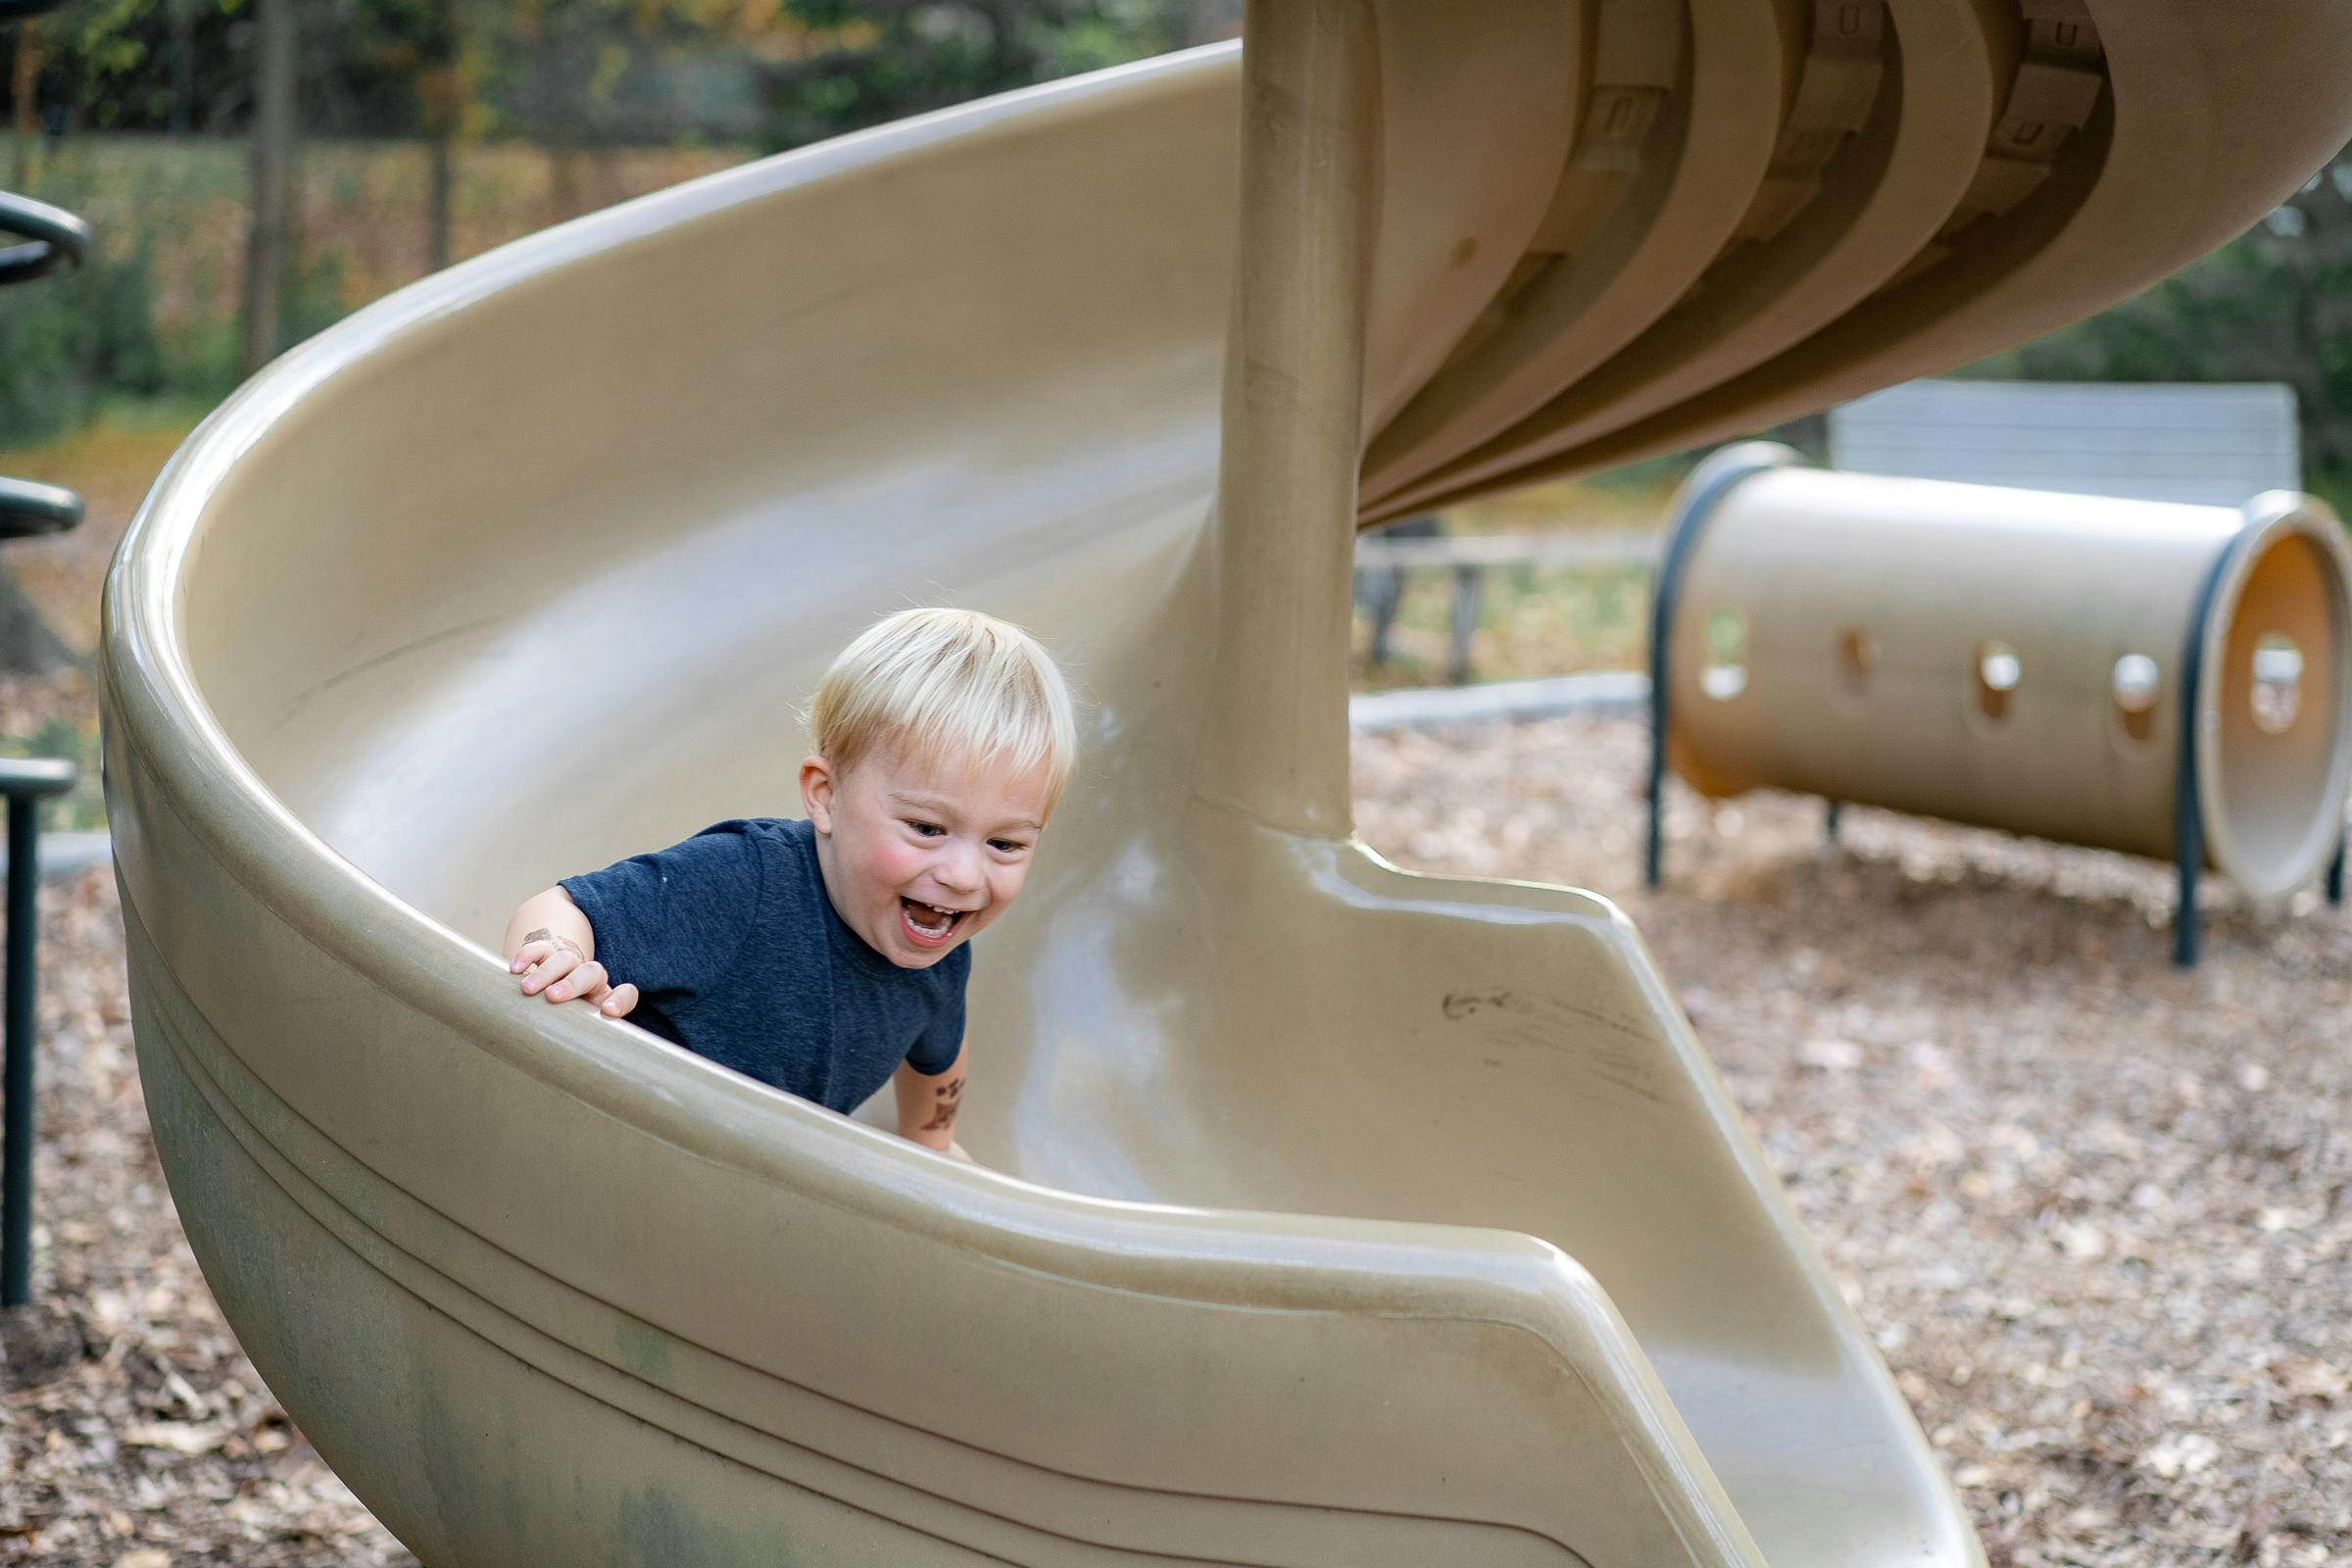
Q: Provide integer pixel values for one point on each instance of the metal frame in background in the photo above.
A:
(1731, 465)
(2188, 821)
(49, 239)
(27, 782)
(2188, 803)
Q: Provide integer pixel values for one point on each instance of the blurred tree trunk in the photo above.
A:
(184, 66)
(564, 172)
(437, 244)
(442, 108)
(23, 90)
(270, 235)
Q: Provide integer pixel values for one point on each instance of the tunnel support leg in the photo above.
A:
(1708, 484)
(2185, 919)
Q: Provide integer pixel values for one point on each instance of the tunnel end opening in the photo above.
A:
(2273, 735)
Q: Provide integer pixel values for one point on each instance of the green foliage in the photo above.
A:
(313, 297)
(890, 61)
(569, 74)
(68, 338)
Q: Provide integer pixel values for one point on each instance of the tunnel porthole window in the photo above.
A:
(1857, 660)
(1997, 674)
(2136, 685)
(2278, 693)
(1726, 673)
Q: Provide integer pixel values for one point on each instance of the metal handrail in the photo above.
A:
(29, 508)
(50, 240)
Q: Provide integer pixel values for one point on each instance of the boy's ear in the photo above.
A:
(816, 791)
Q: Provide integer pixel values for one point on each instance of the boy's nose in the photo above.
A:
(958, 869)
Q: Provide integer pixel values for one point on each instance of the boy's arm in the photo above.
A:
(551, 945)
(552, 917)
(928, 1104)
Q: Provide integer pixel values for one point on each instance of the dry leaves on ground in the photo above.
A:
(133, 1433)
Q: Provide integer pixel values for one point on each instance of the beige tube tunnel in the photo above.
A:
(2016, 659)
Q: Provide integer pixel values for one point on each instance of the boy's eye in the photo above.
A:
(929, 830)
(1007, 845)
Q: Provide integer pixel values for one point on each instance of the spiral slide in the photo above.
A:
(1335, 1216)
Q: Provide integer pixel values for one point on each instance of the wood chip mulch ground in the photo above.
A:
(2095, 1210)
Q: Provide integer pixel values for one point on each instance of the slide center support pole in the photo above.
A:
(1284, 533)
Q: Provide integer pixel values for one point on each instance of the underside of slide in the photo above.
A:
(1335, 1217)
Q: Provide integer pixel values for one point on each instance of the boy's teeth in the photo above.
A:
(918, 911)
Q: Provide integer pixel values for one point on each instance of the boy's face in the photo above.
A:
(919, 855)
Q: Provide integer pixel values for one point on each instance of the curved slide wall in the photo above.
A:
(1336, 1215)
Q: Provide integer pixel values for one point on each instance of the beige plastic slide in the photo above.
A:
(1337, 1218)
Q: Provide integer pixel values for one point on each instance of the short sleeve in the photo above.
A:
(671, 920)
(934, 1051)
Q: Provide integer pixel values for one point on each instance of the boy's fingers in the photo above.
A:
(575, 979)
(617, 1001)
(549, 969)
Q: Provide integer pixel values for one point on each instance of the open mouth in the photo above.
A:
(930, 925)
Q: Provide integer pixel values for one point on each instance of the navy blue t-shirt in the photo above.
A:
(738, 955)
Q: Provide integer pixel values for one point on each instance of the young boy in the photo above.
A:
(828, 956)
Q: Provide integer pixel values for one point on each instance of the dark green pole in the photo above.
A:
(24, 883)
(27, 783)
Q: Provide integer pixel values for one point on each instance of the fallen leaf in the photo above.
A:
(181, 1437)
(2180, 1453)
(1829, 1055)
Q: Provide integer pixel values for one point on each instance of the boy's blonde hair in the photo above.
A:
(945, 685)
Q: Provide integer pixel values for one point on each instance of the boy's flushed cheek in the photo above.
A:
(877, 857)
(893, 868)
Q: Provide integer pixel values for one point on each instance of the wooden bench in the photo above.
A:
(1382, 559)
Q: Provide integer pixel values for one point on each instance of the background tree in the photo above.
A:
(270, 235)
(889, 59)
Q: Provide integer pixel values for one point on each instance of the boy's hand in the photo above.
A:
(555, 967)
